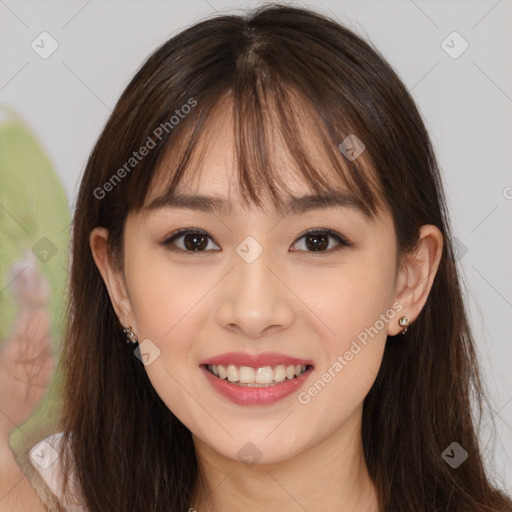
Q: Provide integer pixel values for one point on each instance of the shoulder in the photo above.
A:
(47, 457)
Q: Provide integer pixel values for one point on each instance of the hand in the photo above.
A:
(26, 363)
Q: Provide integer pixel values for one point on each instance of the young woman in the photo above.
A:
(265, 311)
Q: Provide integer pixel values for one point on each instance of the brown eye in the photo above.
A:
(193, 241)
(319, 241)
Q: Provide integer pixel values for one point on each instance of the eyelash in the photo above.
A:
(343, 242)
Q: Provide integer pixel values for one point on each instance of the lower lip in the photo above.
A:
(243, 395)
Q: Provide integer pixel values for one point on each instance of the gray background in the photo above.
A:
(466, 102)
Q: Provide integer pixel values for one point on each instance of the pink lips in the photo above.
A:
(246, 395)
(255, 361)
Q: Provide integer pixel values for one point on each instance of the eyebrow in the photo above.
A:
(294, 205)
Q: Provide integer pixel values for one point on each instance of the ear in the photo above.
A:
(113, 277)
(416, 276)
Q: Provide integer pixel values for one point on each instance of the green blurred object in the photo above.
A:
(34, 216)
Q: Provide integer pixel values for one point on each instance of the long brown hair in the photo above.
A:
(130, 451)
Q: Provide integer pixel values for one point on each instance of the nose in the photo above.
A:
(255, 298)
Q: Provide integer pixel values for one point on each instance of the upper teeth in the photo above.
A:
(262, 375)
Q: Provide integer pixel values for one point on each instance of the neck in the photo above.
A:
(331, 475)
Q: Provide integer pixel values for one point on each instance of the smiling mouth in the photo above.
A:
(262, 377)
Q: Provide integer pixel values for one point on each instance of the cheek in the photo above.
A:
(163, 296)
(356, 306)
(160, 293)
(352, 297)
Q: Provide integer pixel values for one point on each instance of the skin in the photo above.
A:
(289, 300)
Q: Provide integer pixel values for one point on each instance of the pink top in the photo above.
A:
(45, 458)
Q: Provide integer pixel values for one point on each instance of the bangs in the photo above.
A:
(273, 126)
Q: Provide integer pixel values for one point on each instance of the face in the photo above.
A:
(257, 282)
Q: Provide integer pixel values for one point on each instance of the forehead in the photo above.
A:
(213, 169)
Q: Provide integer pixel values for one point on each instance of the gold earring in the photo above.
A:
(131, 337)
(403, 322)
